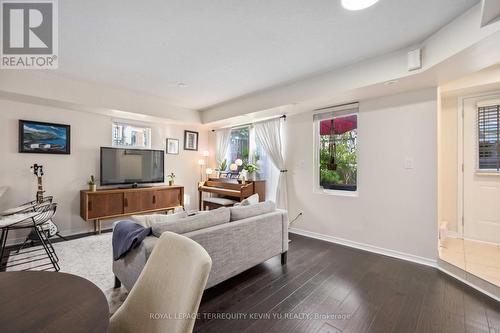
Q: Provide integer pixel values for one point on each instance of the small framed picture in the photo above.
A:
(190, 140)
(172, 146)
(44, 138)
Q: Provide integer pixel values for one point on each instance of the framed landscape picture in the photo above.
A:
(44, 138)
(190, 140)
(172, 146)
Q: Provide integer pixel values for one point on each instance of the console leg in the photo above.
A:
(118, 283)
(284, 257)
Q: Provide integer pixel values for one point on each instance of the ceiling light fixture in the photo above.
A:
(358, 4)
(391, 82)
(182, 85)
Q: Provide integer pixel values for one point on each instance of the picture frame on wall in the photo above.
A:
(44, 138)
(172, 146)
(190, 140)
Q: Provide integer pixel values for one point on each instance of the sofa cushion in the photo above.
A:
(147, 220)
(243, 212)
(192, 223)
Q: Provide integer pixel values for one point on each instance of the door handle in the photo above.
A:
(154, 199)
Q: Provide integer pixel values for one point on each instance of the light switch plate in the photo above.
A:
(409, 163)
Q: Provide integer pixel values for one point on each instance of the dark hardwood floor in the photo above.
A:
(332, 288)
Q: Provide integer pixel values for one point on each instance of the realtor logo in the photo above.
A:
(29, 34)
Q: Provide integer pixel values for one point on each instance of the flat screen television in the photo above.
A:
(121, 166)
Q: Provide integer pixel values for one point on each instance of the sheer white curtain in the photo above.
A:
(268, 135)
(222, 138)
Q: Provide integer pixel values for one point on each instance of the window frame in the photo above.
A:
(133, 124)
(479, 170)
(337, 111)
(252, 149)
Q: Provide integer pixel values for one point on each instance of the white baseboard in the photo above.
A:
(366, 247)
(452, 234)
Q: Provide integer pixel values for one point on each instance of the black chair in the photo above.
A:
(37, 216)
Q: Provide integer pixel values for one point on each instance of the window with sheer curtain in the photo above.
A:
(244, 146)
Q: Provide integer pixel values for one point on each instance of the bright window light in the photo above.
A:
(358, 4)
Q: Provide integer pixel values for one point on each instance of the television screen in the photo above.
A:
(129, 166)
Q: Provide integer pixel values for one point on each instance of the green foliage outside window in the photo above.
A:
(338, 167)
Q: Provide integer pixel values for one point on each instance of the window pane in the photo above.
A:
(125, 135)
(489, 138)
(239, 145)
(337, 155)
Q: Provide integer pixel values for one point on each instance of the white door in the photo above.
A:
(481, 179)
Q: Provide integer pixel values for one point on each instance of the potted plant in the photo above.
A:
(171, 178)
(222, 167)
(251, 170)
(92, 184)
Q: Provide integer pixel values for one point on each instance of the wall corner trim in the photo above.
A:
(366, 247)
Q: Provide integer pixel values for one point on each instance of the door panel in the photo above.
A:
(104, 204)
(481, 192)
(148, 200)
(131, 202)
(167, 198)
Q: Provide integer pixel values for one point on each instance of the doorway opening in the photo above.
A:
(469, 176)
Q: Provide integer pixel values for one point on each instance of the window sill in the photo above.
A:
(487, 173)
(338, 193)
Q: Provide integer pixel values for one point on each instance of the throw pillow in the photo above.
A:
(191, 223)
(147, 220)
(244, 212)
(251, 200)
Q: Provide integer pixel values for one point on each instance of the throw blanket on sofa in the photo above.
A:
(127, 235)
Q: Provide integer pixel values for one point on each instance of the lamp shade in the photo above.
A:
(208, 171)
(206, 153)
(201, 162)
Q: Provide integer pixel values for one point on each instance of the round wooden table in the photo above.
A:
(51, 302)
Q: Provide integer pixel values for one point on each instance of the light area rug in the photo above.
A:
(88, 257)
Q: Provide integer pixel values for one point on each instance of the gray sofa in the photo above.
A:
(236, 239)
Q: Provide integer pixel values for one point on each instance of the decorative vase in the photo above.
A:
(170, 183)
(252, 176)
(92, 188)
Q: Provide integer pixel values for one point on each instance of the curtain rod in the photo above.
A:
(257, 122)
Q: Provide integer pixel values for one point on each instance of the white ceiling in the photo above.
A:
(223, 49)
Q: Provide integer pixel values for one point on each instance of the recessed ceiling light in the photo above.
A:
(388, 83)
(182, 85)
(358, 4)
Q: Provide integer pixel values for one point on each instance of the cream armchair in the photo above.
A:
(168, 292)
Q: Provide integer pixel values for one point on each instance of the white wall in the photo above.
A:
(66, 175)
(448, 168)
(396, 208)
